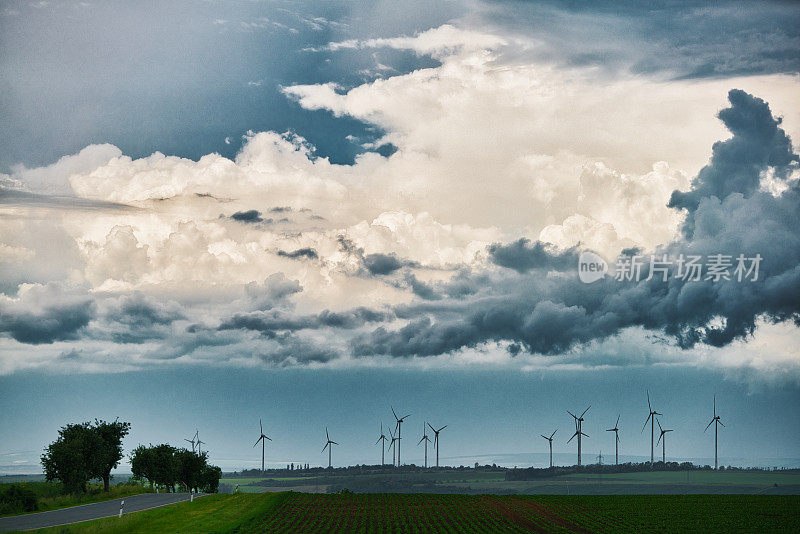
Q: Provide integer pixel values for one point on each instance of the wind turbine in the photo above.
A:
(263, 439)
(578, 430)
(426, 439)
(328, 445)
(550, 439)
(664, 446)
(651, 418)
(382, 438)
(197, 437)
(615, 430)
(399, 428)
(436, 441)
(392, 445)
(716, 422)
(192, 441)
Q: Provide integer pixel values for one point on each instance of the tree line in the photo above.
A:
(168, 466)
(88, 451)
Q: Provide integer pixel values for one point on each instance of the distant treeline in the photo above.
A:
(512, 473)
(532, 473)
(167, 466)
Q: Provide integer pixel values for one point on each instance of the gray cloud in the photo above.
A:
(308, 253)
(45, 314)
(249, 216)
(546, 313)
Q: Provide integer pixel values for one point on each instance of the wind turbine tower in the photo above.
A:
(393, 446)
(652, 419)
(663, 436)
(550, 439)
(578, 430)
(399, 428)
(263, 439)
(426, 439)
(715, 420)
(436, 441)
(328, 445)
(192, 441)
(382, 438)
(615, 430)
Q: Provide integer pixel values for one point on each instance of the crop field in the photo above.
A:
(348, 512)
(484, 482)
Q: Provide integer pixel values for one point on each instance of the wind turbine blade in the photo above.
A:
(420, 439)
(584, 434)
(573, 435)
(650, 408)
(545, 437)
(668, 430)
(715, 404)
(267, 438)
(586, 410)
(256, 443)
(554, 433)
(659, 425)
(572, 414)
(326, 434)
(334, 443)
(709, 424)
(409, 415)
(395, 415)
(325, 447)
(617, 423)
(720, 422)
(659, 438)
(260, 426)
(379, 440)
(445, 426)
(647, 421)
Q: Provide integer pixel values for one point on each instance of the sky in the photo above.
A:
(308, 212)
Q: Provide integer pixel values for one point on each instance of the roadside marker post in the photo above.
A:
(121, 505)
(191, 496)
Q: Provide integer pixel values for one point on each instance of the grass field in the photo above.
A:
(300, 512)
(481, 482)
(52, 496)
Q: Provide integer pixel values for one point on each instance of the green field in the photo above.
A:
(300, 512)
(493, 481)
(52, 496)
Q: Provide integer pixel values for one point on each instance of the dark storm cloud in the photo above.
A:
(523, 255)
(736, 164)
(270, 322)
(548, 314)
(137, 319)
(45, 314)
(249, 216)
(308, 253)
(374, 264)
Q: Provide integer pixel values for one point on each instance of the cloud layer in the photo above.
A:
(463, 242)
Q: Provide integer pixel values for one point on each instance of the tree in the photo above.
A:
(109, 451)
(143, 463)
(209, 478)
(165, 471)
(69, 459)
(189, 466)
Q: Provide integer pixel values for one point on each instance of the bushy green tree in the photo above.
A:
(85, 451)
(109, 452)
(143, 464)
(69, 459)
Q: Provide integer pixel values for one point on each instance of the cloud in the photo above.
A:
(45, 314)
(548, 313)
(249, 216)
(300, 253)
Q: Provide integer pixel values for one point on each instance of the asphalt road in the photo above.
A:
(86, 512)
